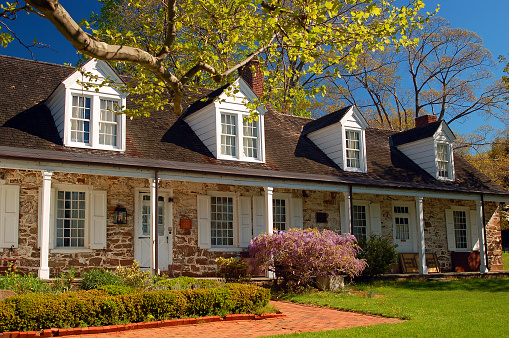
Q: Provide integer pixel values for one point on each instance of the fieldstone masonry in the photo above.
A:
(190, 260)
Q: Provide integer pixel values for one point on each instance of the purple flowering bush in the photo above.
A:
(297, 255)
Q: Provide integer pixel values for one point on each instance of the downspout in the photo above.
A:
(156, 225)
(351, 208)
(484, 231)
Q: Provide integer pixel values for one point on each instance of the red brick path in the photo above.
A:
(299, 318)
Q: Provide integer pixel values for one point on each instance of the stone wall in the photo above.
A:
(190, 260)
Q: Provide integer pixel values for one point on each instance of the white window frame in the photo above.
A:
(288, 212)
(87, 189)
(239, 137)
(449, 161)
(95, 121)
(362, 149)
(471, 230)
(366, 205)
(236, 224)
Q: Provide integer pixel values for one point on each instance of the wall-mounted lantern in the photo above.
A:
(120, 215)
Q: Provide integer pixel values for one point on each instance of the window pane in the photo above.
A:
(250, 141)
(108, 123)
(228, 134)
(80, 119)
(279, 214)
(353, 146)
(460, 229)
(70, 220)
(359, 224)
(443, 160)
(221, 225)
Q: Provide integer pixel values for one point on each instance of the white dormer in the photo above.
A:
(222, 126)
(430, 146)
(86, 118)
(341, 136)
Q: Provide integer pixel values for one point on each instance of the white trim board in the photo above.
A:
(246, 181)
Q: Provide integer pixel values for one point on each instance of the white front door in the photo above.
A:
(404, 226)
(142, 230)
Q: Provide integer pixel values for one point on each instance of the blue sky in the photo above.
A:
(487, 18)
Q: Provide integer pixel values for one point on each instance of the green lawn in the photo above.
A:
(462, 308)
(505, 257)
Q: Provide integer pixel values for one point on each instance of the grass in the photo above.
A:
(505, 258)
(461, 308)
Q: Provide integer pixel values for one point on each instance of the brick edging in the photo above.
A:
(135, 326)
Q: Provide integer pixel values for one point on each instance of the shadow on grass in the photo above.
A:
(479, 284)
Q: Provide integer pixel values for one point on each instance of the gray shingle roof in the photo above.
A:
(163, 140)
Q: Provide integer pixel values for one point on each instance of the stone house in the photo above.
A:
(78, 183)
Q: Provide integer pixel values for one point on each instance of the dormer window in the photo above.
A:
(80, 120)
(89, 117)
(232, 133)
(353, 149)
(94, 122)
(229, 134)
(341, 135)
(251, 139)
(224, 125)
(109, 123)
(443, 160)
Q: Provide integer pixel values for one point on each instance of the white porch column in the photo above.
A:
(270, 213)
(347, 228)
(269, 221)
(423, 268)
(153, 225)
(45, 224)
(482, 249)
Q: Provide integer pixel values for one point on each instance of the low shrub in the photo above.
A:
(33, 312)
(297, 255)
(379, 253)
(232, 269)
(183, 283)
(98, 277)
(115, 290)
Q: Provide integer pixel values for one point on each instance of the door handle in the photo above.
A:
(167, 241)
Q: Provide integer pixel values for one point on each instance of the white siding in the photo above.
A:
(203, 123)
(422, 152)
(329, 140)
(56, 104)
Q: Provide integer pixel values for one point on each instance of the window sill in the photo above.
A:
(70, 251)
(226, 249)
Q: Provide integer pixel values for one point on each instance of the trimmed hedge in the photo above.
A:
(32, 312)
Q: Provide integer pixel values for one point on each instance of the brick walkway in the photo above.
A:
(299, 318)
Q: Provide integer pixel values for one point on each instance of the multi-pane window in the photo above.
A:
(70, 227)
(108, 123)
(359, 221)
(401, 219)
(145, 216)
(228, 134)
(353, 149)
(443, 160)
(279, 214)
(250, 138)
(221, 224)
(80, 119)
(460, 228)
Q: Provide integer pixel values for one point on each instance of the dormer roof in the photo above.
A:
(420, 133)
(332, 118)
